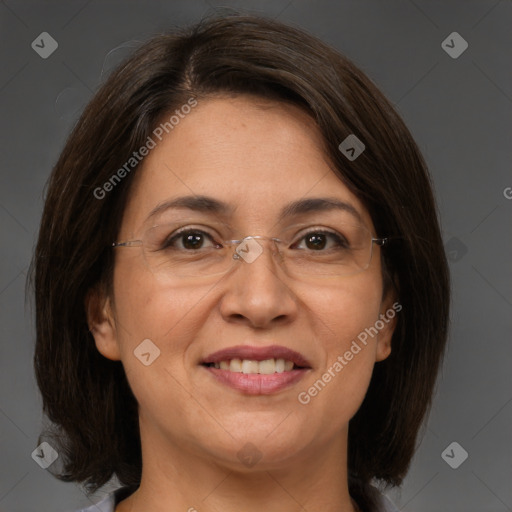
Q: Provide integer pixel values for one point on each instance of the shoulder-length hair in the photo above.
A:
(85, 395)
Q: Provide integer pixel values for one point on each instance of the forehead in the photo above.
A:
(255, 155)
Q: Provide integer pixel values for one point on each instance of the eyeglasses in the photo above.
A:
(176, 249)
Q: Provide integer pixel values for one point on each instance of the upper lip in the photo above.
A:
(257, 354)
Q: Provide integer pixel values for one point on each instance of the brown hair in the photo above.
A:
(85, 395)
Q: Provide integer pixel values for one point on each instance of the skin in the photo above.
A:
(258, 156)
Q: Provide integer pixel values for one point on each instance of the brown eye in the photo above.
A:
(318, 240)
(190, 239)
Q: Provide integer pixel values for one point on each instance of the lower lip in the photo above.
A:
(257, 383)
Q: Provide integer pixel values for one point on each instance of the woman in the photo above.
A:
(241, 289)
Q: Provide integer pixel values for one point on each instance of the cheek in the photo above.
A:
(343, 311)
(343, 317)
(161, 322)
(145, 310)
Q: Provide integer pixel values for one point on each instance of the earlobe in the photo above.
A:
(388, 322)
(383, 349)
(101, 322)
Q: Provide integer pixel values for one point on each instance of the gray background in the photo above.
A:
(459, 111)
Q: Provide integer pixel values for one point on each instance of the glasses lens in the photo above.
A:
(343, 251)
(197, 251)
(185, 251)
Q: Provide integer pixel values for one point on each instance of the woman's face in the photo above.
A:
(257, 157)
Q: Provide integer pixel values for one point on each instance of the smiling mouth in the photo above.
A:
(256, 370)
(251, 366)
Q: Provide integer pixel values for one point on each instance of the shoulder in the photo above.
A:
(109, 502)
(385, 504)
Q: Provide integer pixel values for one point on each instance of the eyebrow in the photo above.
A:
(206, 204)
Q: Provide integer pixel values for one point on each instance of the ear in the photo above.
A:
(100, 319)
(387, 320)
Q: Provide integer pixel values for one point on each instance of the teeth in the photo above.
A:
(267, 367)
(250, 366)
(235, 365)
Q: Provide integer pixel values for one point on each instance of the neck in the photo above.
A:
(177, 478)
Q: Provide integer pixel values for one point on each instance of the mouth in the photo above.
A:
(257, 370)
(252, 366)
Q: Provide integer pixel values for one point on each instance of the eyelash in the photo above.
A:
(168, 243)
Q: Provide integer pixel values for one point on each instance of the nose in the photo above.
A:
(257, 291)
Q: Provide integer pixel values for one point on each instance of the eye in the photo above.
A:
(317, 240)
(188, 239)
